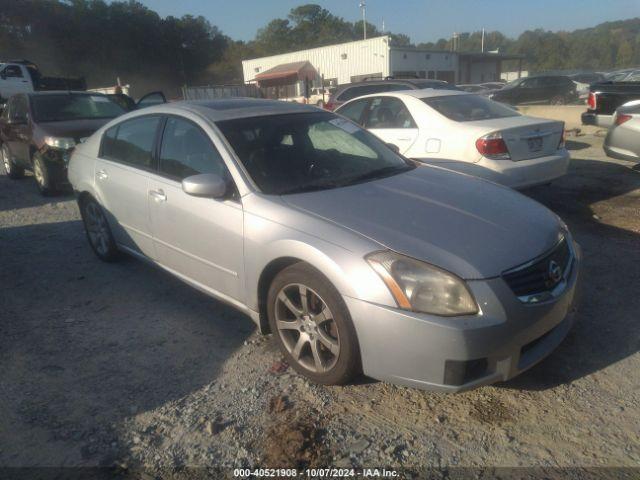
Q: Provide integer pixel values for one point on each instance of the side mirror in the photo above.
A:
(393, 147)
(205, 185)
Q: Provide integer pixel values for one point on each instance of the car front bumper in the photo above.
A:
(460, 353)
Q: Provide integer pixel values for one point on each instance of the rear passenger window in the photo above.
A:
(131, 142)
(108, 143)
(186, 150)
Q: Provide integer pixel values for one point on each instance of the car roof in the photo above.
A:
(386, 81)
(423, 93)
(62, 92)
(233, 108)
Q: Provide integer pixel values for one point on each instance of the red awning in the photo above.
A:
(287, 73)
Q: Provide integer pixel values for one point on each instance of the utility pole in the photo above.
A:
(363, 6)
(483, 40)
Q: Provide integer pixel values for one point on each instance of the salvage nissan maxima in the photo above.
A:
(355, 258)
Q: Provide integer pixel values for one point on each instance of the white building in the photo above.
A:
(375, 57)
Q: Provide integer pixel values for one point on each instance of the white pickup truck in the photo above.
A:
(23, 76)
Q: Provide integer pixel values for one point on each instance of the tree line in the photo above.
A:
(102, 41)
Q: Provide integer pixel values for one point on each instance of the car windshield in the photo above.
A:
(63, 107)
(467, 108)
(303, 152)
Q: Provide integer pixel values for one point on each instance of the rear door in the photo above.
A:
(389, 119)
(196, 237)
(122, 180)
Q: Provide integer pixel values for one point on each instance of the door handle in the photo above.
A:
(404, 139)
(158, 195)
(102, 175)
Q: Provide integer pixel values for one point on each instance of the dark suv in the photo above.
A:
(556, 90)
(349, 91)
(39, 130)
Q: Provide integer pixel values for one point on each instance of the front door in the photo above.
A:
(122, 180)
(195, 237)
(389, 119)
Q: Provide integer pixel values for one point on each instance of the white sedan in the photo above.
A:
(465, 132)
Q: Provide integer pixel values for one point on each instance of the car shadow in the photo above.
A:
(23, 193)
(606, 328)
(574, 145)
(85, 345)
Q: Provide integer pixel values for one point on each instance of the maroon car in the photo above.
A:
(39, 130)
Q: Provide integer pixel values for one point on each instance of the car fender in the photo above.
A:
(267, 242)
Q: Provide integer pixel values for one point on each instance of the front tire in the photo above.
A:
(98, 231)
(10, 167)
(312, 326)
(42, 175)
(558, 100)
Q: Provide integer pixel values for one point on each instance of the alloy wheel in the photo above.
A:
(307, 328)
(97, 228)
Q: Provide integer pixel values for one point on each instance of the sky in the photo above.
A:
(422, 20)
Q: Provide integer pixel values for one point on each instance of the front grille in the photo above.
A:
(535, 277)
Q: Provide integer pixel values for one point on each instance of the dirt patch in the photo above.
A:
(296, 441)
(490, 410)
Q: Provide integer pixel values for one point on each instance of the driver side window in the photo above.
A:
(186, 150)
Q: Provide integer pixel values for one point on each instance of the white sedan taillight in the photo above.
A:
(493, 146)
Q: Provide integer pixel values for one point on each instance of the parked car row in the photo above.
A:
(356, 258)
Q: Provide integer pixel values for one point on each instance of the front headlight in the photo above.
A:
(60, 142)
(421, 287)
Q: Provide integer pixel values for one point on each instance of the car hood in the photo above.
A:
(75, 129)
(471, 227)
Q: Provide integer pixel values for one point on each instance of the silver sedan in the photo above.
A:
(356, 259)
(623, 138)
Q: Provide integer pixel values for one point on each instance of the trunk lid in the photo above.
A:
(526, 137)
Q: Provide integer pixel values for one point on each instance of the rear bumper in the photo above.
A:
(520, 174)
(620, 154)
(456, 354)
(598, 120)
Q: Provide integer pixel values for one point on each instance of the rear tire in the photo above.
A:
(10, 167)
(98, 231)
(312, 326)
(43, 176)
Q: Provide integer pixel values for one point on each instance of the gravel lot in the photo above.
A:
(122, 365)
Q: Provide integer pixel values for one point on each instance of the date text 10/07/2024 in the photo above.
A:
(315, 473)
